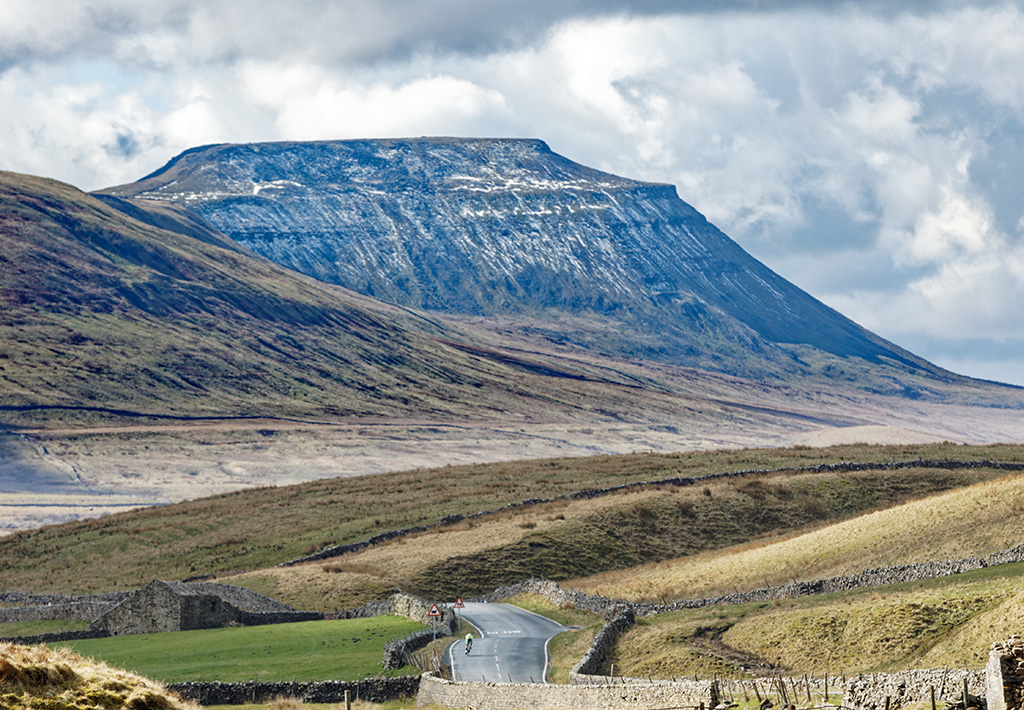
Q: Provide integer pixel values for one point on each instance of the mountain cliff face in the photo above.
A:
(509, 228)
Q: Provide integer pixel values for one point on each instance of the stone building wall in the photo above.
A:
(174, 606)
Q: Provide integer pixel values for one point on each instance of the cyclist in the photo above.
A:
(469, 642)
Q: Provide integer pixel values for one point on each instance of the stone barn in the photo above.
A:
(176, 606)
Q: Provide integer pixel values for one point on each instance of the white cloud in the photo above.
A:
(820, 137)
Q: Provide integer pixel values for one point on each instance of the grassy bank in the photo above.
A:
(36, 628)
(40, 678)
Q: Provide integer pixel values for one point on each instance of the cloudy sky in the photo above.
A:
(870, 152)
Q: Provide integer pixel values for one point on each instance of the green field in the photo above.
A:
(346, 649)
(37, 628)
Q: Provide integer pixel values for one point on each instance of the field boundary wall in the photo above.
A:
(501, 696)
(374, 690)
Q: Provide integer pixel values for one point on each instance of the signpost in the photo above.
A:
(459, 605)
(434, 614)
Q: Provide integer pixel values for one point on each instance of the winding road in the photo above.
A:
(513, 648)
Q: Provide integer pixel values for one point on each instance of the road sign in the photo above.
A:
(434, 611)
(459, 604)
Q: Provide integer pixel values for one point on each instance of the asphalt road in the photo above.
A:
(513, 648)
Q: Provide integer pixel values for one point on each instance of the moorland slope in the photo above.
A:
(570, 536)
(506, 227)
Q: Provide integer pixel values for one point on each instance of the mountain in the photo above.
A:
(108, 309)
(147, 357)
(507, 228)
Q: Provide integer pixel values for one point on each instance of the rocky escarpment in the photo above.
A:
(509, 228)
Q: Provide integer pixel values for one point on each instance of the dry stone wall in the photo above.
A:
(870, 692)
(25, 599)
(242, 598)
(411, 607)
(590, 665)
(408, 605)
(56, 637)
(1005, 675)
(73, 611)
(514, 696)
(374, 690)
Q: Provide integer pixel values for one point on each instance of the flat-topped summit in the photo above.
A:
(506, 227)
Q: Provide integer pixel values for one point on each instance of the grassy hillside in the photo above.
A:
(105, 316)
(969, 522)
(938, 623)
(260, 528)
(934, 623)
(614, 532)
(257, 529)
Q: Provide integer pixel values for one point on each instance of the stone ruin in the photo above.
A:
(176, 606)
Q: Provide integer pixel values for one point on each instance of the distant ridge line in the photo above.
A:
(145, 415)
(588, 493)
